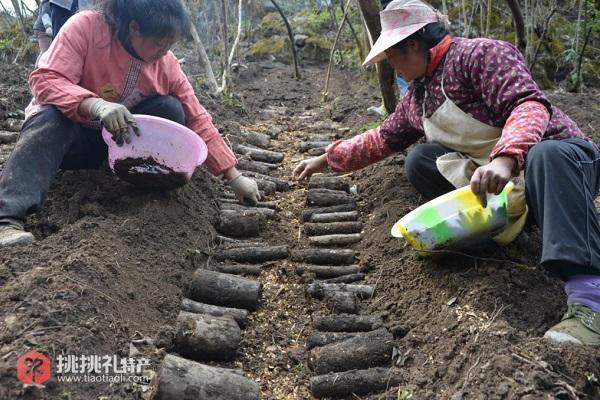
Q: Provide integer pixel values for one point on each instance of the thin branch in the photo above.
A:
(335, 42)
(542, 37)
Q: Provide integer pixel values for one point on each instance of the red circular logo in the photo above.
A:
(34, 367)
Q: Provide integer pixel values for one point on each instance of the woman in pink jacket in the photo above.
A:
(102, 68)
(486, 122)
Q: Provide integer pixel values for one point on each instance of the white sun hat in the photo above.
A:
(399, 20)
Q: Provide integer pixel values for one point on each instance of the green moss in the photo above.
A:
(319, 42)
(272, 45)
(273, 22)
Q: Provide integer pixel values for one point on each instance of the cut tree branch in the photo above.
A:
(291, 36)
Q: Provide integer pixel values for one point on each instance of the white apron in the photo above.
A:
(472, 142)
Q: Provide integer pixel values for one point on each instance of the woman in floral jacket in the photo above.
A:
(486, 122)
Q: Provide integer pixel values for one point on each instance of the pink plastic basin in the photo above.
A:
(167, 142)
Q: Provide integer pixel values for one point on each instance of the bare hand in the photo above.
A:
(492, 178)
(306, 168)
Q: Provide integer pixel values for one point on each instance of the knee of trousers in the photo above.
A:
(417, 163)
(171, 108)
(545, 156)
(49, 120)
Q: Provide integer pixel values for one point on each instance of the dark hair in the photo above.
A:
(430, 35)
(157, 18)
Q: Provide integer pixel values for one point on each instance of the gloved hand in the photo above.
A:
(245, 189)
(116, 118)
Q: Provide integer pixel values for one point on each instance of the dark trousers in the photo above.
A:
(49, 141)
(60, 15)
(561, 183)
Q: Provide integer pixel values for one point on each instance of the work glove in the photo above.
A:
(116, 118)
(245, 189)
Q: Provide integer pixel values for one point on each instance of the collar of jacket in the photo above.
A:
(437, 53)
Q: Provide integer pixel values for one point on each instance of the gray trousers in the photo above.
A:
(561, 183)
(50, 141)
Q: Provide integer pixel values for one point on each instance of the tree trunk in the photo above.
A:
(19, 14)
(204, 60)
(370, 11)
(236, 42)
(541, 39)
(291, 36)
(519, 24)
(488, 21)
(580, 60)
(225, 33)
(578, 25)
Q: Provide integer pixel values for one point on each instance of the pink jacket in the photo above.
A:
(86, 60)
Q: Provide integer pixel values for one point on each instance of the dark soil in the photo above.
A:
(147, 173)
(112, 263)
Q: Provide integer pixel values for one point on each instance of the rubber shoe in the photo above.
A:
(580, 325)
(14, 235)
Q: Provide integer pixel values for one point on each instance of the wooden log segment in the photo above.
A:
(371, 349)
(316, 152)
(253, 255)
(334, 240)
(8, 137)
(203, 337)
(347, 323)
(326, 197)
(323, 338)
(306, 146)
(227, 290)
(256, 154)
(342, 302)
(240, 316)
(328, 182)
(355, 382)
(231, 242)
(318, 290)
(239, 223)
(327, 271)
(266, 186)
(325, 256)
(254, 166)
(305, 215)
(280, 184)
(181, 379)
(322, 137)
(257, 139)
(332, 228)
(239, 269)
(268, 213)
(334, 217)
(347, 278)
(273, 205)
